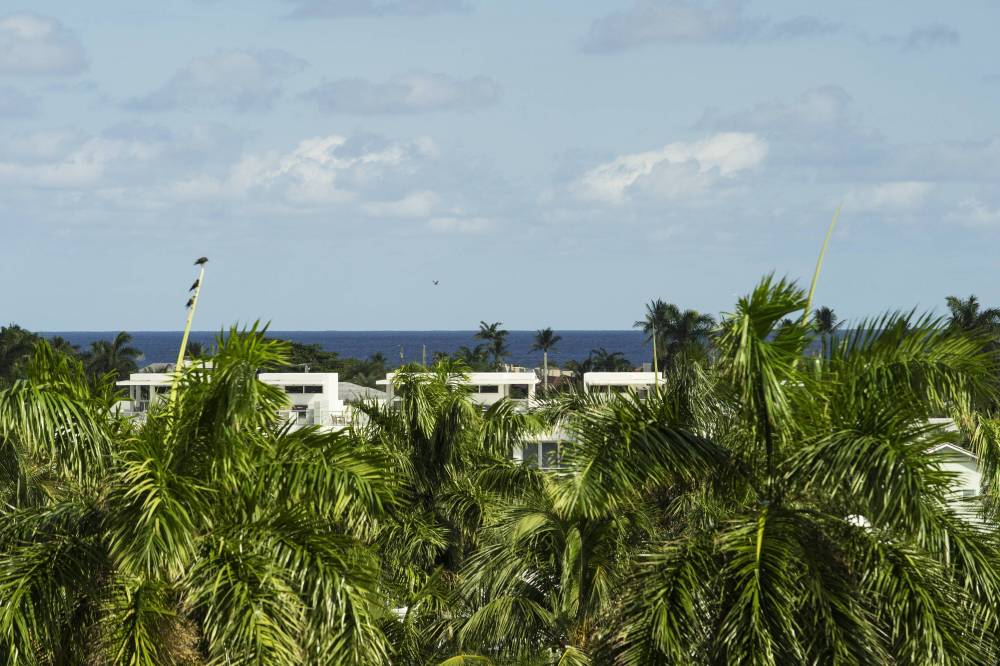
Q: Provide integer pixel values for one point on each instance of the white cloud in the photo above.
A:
(124, 156)
(671, 21)
(346, 8)
(894, 196)
(677, 170)
(461, 225)
(208, 171)
(31, 44)
(239, 80)
(322, 171)
(414, 92)
(84, 165)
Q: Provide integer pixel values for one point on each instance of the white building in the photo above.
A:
(312, 397)
(544, 450)
(487, 387)
(618, 382)
(145, 390)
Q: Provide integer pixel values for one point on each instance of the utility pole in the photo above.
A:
(192, 305)
(656, 369)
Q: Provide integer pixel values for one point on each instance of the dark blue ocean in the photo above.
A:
(161, 346)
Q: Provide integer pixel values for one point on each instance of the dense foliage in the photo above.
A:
(762, 505)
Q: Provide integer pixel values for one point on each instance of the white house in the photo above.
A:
(612, 382)
(487, 387)
(968, 478)
(312, 397)
(145, 389)
(543, 450)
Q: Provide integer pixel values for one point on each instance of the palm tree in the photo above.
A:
(678, 333)
(805, 516)
(496, 338)
(16, 345)
(545, 341)
(449, 460)
(195, 350)
(546, 579)
(967, 315)
(210, 534)
(601, 360)
(64, 346)
(476, 358)
(112, 356)
(826, 324)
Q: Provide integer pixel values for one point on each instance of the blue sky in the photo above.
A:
(551, 164)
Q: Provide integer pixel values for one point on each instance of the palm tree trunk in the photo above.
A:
(187, 331)
(545, 371)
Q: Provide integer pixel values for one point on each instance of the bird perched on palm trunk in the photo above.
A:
(201, 261)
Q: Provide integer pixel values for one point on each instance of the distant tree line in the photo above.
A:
(680, 334)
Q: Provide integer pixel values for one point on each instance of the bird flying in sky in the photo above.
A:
(435, 283)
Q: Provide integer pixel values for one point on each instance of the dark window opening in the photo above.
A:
(313, 389)
(519, 391)
(489, 388)
(550, 454)
(294, 389)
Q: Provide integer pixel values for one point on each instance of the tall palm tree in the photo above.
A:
(658, 314)
(968, 315)
(602, 360)
(806, 518)
(64, 346)
(678, 333)
(826, 324)
(441, 445)
(496, 338)
(210, 534)
(113, 356)
(546, 580)
(16, 345)
(195, 350)
(545, 341)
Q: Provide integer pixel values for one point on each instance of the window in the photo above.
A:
(967, 493)
(550, 455)
(143, 393)
(295, 389)
(160, 390)
(313, 389)
(519, 391)
(487, 388)
(529, 454)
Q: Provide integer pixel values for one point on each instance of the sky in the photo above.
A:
(552, 163)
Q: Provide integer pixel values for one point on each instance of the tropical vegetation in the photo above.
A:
(676, 334)
(545, 342)
(761, 505)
